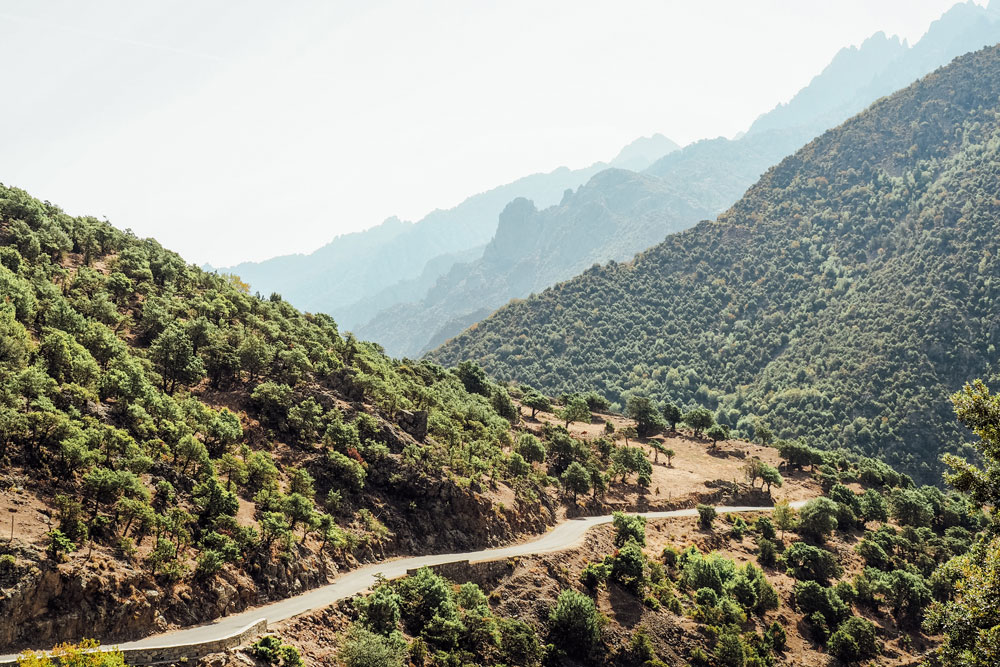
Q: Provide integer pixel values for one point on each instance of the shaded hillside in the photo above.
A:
(616, 213)
(853, 284)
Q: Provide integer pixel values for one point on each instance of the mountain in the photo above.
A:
(855, 283)
(615, 213)
(643, 152)
(857, 76)
(358, 274)
(699, 181)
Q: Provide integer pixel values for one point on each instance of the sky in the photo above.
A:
(242, 130)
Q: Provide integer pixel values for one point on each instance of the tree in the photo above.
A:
(473, 378)
(518, 643)
(224, 430)
(770, 476)
(873, 506)
(910, 507)
(730, 651)
(629, 567)
(173, 355)
(908, 595)
(812, 563)
(751, 469)
(798, 455)
(574, 623)
(717, 432)
(818, 518)
(854, 641)
(658, 449)
(364, 648)
(58, 544)
(234, 470)
(576, 410)
(813, 598)
(670, 454)
(629, 432)
(647, 417)
(763, 434)
(629, 527)
(706, 515)
(576, 479)
(672, 415)
(628, 460)
(380, 611)
(784, 517)
(531, 448)
(699, 419)
(970, 618)
(536, 402)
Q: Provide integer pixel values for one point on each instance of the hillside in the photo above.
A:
(615, 214)
(856, 281)
(173, 449)
(846, 579)
(613, 217)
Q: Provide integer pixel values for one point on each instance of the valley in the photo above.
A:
(725, 404)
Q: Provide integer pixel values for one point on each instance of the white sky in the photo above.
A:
(245, 129)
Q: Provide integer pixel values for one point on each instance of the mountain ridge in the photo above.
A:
(781, 302)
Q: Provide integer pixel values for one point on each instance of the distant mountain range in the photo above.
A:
(612, 217)
(411, 286)
(842, 299)
(359, 274)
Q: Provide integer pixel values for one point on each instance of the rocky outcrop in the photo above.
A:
(414, 423)
(52, 603)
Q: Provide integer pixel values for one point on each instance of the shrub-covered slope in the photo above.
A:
(177, 434)
(853, 284)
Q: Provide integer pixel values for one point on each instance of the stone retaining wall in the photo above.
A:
(174, 653)
(485, 573)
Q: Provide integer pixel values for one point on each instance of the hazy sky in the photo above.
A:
(241, 130)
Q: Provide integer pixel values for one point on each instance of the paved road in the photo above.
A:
(563, 536)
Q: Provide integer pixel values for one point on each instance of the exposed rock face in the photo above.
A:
(50, 603)
(414, 423)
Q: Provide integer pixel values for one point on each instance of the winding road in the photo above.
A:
(565, 535)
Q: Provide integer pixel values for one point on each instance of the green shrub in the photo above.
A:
(271, 650)
(854, 641)
(575, 624)
(811, 599)
(364, 648)
(706, 515)
(811, 563)
(730, 650)
(776, 637)
(818, 518)
(595, 574)
(629, 527)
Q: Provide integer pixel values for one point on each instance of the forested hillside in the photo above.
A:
(854, 284)
(187, 436)
(173, 448)
(612, 216)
